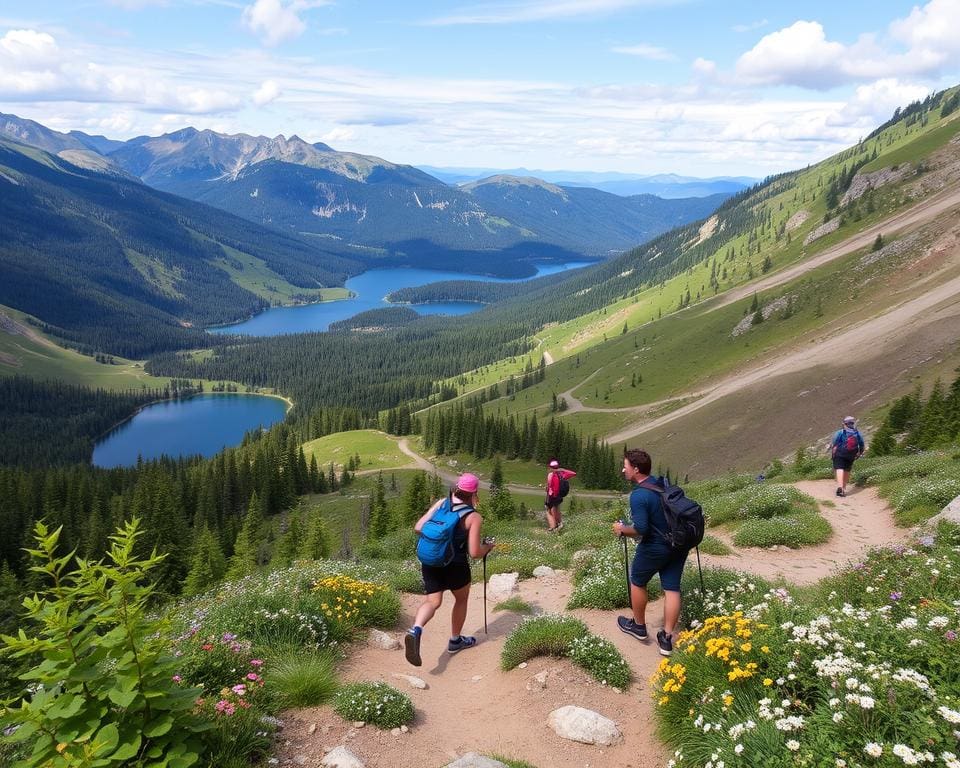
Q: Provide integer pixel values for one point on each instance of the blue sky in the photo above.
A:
(698, 87)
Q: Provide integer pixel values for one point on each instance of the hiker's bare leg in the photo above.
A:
(846, 479)
(459, 614)
(638, 601)
(671, 610)
(551, 517)
(427, 608)
(839, 478)
(557, 516)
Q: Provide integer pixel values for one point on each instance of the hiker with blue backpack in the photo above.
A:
(666, 525)
(847, 447)
(449, 531)
(558, 486)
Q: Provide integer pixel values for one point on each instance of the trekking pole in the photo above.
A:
(703, 589)
(626, 571)
(485, 630)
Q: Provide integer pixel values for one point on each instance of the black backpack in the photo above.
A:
(685, 522)
(564, 488)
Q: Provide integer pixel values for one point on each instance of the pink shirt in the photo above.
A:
(553, 479)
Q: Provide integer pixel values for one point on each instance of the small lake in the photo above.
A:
(370, 288)
(203, 424)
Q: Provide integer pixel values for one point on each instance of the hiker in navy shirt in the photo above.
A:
(847, 447)
(653, 554)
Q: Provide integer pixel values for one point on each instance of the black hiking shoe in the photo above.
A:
(630, 627)
(665, 642)
(411, 647)
(455, 646)
(840, 492)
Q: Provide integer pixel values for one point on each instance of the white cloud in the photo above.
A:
(533, 10)
(797, 55)
(704, 68)
(933, 30)
(644, 51)
(276, 21)
(267, 92)
(750, 27)
(874, 103)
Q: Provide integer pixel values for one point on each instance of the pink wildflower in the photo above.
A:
(177, 678)
(253, 676)
(256, 662)
(225, 707)
(239, 689)
(950, 634)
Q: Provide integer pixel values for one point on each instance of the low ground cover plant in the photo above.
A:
(600, 580)
(861, 671)
(375, 703)
(799, 529)
(565, 636)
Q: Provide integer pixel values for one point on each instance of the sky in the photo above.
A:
(694, 87)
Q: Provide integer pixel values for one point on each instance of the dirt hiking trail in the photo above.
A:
(471, 705)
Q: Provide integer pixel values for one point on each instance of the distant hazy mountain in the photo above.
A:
(666, 185)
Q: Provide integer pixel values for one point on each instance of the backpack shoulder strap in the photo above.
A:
(463, 510)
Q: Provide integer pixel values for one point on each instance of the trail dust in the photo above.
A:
(471, 705)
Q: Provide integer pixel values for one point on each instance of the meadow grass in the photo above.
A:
(302, 679)
(515, 605)
(376, 449)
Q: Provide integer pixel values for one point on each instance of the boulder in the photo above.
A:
(951, 512)
(473, 760)
(383, 640)
(543, 571)
(341, 757)
(584, 726)
(502, 586)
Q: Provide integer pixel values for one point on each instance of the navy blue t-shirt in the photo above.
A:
(646, 512)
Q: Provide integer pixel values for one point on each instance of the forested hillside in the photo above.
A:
(111, 265)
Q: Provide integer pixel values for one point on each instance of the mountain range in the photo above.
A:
(367, 202)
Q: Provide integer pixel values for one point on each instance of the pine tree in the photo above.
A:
(316, 542)
(207, 565)
(246, 549)
(379, 512)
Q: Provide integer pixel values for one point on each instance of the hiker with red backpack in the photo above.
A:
(847, 447)
(666, 525)
(449, 531)
(558, 486)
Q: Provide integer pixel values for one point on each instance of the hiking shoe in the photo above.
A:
(559, 526)
(631, 627)
(840, 492)
(665, 642)
(455, 646)
(411, 647)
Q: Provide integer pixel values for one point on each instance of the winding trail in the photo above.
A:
(470, 704)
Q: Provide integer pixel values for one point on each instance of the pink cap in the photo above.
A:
(468, 482)
(554, 463)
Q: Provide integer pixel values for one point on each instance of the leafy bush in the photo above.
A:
(350, 602)
(934, 490)
(601, 659)
(547, 635)
(302, 680)
(757, 501)
(797, 530)
(240, 736)
(213, 663)
(711, 545)
(396, 545)
(376, 703)
(601, 581)
(726, 591)
(104, 693)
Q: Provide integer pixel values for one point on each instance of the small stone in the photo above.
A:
(395, 731)
(502, 586)
(477, 678)
(341, 757)
(300, 760)
(473, 760)
(272, 761)
(312, 729)
(414, 681)
(404, 729)
(522, 665)
(543, 572)
(383, 640)
(359, 724)
(584, 726)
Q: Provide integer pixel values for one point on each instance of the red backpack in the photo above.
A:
(848, 447)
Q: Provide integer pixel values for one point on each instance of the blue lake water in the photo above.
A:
(203, 424)
(370, 288)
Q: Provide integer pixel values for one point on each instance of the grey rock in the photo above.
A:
(473, 760)
(414, 681)
(383, 640)
(543, 571)
(584, 726)
(502, 586)
(341, 757)
(951, 513)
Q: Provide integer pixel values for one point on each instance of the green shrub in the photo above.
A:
(403, 576)
(601, 659)
(797, 530)
(302, 680)
(396, 545)
(885, 469)
(601, 581)
(760, 500)
(376, 703)
(547, 635)
(515, 604)
(214, 662)
(726, 591)
(936, 489)
(711, 545)
(237, 739)
(104, 691)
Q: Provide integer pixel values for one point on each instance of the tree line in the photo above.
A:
(918, 423)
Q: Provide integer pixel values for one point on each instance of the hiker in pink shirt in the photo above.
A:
(558, 486)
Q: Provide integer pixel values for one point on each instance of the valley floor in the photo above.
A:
(470, 705)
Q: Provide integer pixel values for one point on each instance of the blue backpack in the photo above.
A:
(435, 545)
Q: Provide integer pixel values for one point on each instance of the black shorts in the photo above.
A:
(552, 501)
(842, 462)
(453, 576)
